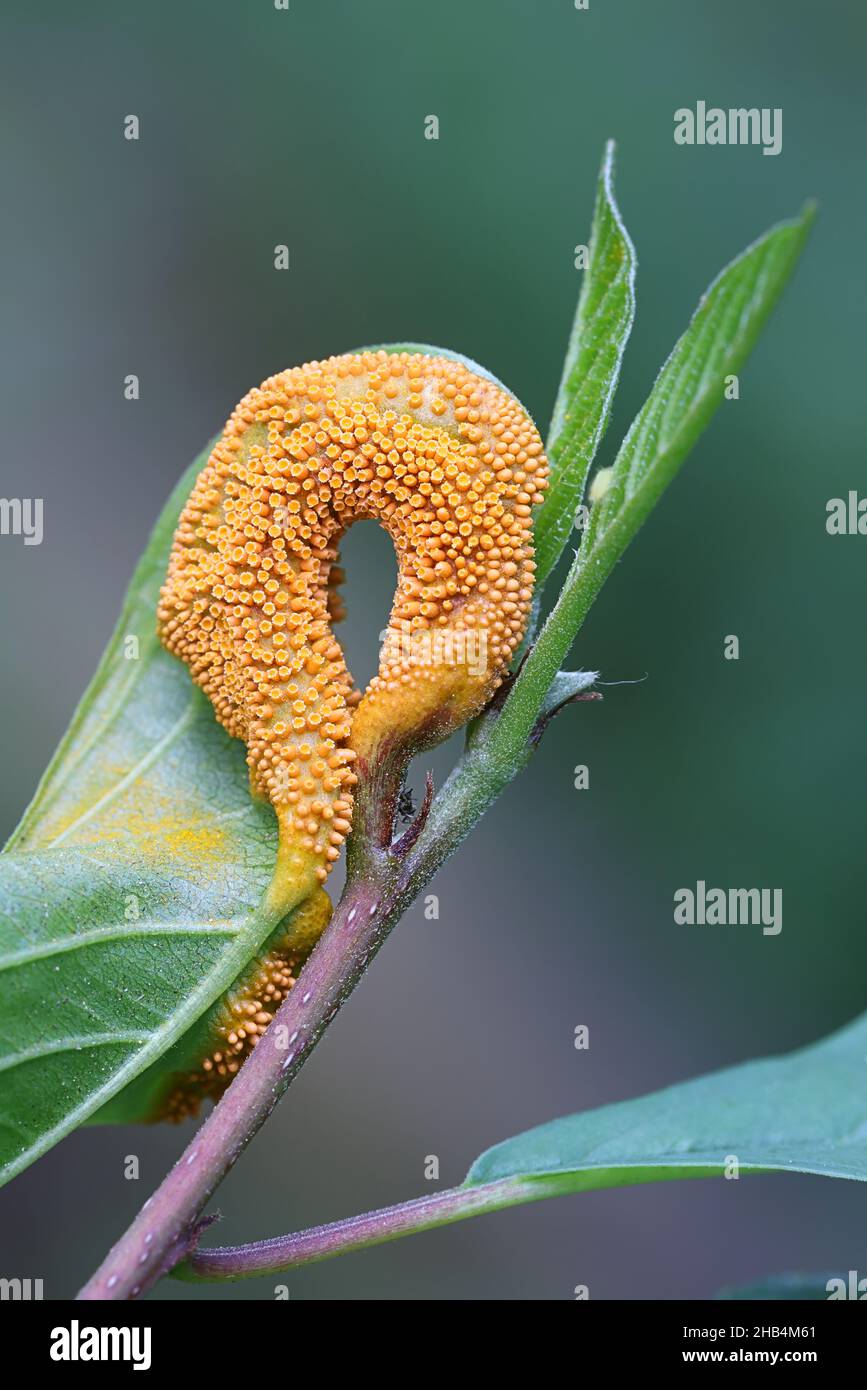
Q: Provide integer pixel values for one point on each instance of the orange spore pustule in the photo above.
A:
(451, 465)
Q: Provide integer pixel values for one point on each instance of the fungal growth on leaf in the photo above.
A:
(451, 465)
(211, 1054)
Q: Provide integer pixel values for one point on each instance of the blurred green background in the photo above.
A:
(305, 127)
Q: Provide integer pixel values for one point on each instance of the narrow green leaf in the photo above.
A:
(686, 394)
(130, 893)
(802, 1113)
(603, 322)
(689, 389)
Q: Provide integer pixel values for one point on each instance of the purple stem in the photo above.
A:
(357, 1232)
(168, 1225)
(379, 888)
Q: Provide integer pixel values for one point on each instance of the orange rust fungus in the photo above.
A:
(244, 1015)
(234, 1026)
(451, 465)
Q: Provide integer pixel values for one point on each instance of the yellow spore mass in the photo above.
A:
(451, 465)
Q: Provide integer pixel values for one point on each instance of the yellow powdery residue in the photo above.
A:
(161, 829)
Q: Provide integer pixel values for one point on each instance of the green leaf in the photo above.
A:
(689, 389)
(130, 893)
(776, 1287)
(803, 1113)
(687, 392)
(603, 322)
(565, 687)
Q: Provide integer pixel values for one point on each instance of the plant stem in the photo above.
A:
(167, 1226)
(358, 1232)
(380, 886)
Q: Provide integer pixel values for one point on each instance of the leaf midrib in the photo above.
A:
(79, 1043)
(80, 940)
(226, 968)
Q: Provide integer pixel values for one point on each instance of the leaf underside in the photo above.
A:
(129, 894)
